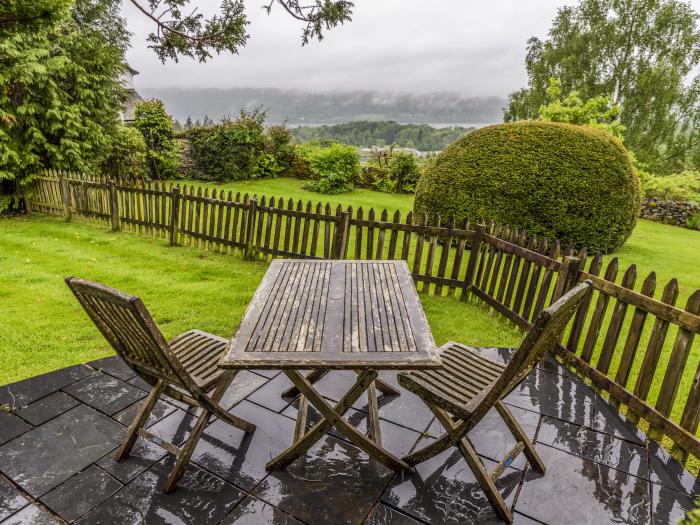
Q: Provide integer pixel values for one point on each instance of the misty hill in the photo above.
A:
(383, 133)
(329, 108)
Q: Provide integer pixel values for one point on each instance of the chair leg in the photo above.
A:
(187, 450)
(184, 457)
(519, 434)
(140, 420)
(486, 481)
(211, 403)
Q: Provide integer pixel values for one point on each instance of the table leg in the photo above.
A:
(333, 416)
(373, 410)
(313, 376)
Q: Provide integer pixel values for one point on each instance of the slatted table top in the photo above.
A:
(334, 315)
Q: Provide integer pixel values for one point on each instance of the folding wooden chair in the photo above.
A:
(468, 385)
(185, 368)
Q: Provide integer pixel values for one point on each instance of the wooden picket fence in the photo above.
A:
(636, 349)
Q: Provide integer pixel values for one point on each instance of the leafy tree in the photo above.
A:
(182, 31)
(597, 112)
(641, 55)
(156, 126)
(59, 88)
(126, 155)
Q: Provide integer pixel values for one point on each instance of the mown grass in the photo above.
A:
(43, 327)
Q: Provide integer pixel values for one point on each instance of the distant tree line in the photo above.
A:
(366, 134)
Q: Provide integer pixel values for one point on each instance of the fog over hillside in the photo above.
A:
(327, 108)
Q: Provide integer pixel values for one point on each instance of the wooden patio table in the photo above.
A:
(334, 315)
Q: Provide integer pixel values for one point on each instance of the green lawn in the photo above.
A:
(45, 329)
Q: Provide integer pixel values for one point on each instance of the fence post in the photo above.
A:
(65, 195)
(249, 251)
(473, 256)
(340, 239)
(174, 215)
(568, 275)
(113, 205)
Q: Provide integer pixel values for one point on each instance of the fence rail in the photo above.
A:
(634, 347)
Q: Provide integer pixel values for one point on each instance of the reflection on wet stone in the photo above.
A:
(333, 483)
(238, 457)
(555, 395)
(30, 515)
(105, 393)
(443, 490)
(201, 498)
(10, 500)
(252, 511)
(596, 446)
(384, 515)
(669, 506)
(576, 490)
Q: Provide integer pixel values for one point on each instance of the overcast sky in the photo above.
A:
(473, 47)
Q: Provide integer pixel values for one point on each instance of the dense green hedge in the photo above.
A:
(562, 181)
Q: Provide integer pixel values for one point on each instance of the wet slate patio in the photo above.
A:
(57, 442)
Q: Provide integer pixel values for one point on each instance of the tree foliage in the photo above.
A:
(641, 55)
(182, 31)
(59, 88)
(156, 126)
(367, 133)
(597, 112)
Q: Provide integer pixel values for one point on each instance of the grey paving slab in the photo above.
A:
(555, 395)
(270, 394)
(200, 499)
(160, 411)
(384, 515)
(608, 419)
(47, 408)
(666, 471)
(11, 426)
(20, 394)
(81, 493)
(669, 506)
(10, 500)
(238, 457)
(142, 456)
(333, 483)
(596, 446)
(252, 511)
(114, 366)
(443, 490)
(575, 490)
(243, 385)
(46, 456)
(31, 515)
(105, 393)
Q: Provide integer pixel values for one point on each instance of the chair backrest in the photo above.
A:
(129, 328)
(545, 334)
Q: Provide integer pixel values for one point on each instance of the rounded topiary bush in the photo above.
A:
(573, 183)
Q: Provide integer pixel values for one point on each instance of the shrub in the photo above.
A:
(156, 126)
(368, 176)
(334, 167)
(563, 181)
(241, 149)
(682, 187)
(404, 172)
(126, 154)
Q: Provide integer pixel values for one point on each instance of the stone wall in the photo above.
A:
(670, 212)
